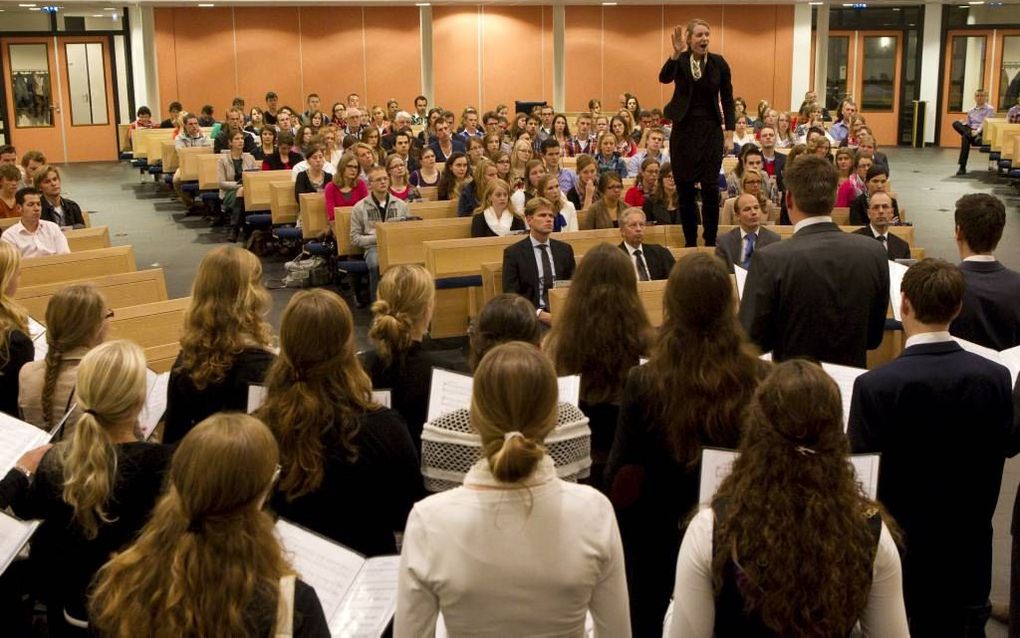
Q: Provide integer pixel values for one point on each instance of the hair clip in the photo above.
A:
(805, 450)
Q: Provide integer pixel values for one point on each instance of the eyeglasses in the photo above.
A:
(276, 475)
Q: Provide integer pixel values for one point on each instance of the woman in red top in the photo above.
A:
(649, 177)
(346, 187)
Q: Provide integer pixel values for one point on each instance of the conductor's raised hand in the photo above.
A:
(679, 39)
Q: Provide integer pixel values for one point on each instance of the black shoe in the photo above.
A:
(232, 238)
(961, 172)
(219, 222)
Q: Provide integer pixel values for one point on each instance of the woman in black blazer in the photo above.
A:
(16, 347)
(701, 80)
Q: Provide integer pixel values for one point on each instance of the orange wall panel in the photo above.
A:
(164, 46)
(783, 81)
(750, 50)
(582, 57)
(333, 58)
(392, 71)
(522, 71)
(632, 55)
(267, 55)
(455, 56)
(204, 54)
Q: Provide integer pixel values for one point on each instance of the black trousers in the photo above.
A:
(967, 138)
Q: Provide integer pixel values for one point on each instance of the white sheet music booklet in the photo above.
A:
(717, 463)
(155, 402)
(257, 396)
(358, 595)
(452, 391)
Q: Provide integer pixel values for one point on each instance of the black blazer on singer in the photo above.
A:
(716, 73)
(520, 270)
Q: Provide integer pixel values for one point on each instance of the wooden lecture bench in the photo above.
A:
(428, 211)
(147, 141)
(79, 239)
(256, 187)
(651, 294)
(187, 158)
(156, 327)
(168, 155)
(7, 222)
(87, 264)
(119, 291)
(282, 205)
(208, 175)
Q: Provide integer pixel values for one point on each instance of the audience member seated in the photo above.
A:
(230, 168)
(844, 167)
(790, 545)
(370, 137)
(378, 206)
(868, 145)
(957, 407)
(529, 269)
(990, 315)
(402, 143)
(512, 519)
(743, 135)
(650, 261)
(346, 188)
(77, 320)
(563, 208)
(737, 246)
(207, 118)
(210, 527)
(496, 216)
(447, 440)
(333, 435)
(225, 343)
(193, 136)
(608, 159)
(94, 492)
(551, 152)
(519, 158)
(880, 215)
(752, 182)
(972, 127)
(690, 394)
(33, 236)
(534, 171)
(284, 159)
(55, 208)
(234, 123)
(583, 140)
(315, 178)
(396, 168)
(649, 172)
(472, 192)
(822, 293)
(785, 137)
(662, 206)
(652, 149)
(16, 347)
(143, 119)
(402, 358)
(10, 183)
(455, 175)
(267, 144)
(855, 185)
(31, 162)
(174, 110)
(841, 127)
(605, 213)
(444, 144)
(621, 129)
(876, 181)
(426, 174)
(750, 157)
(255, 122)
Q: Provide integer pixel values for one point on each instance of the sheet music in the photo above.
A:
(450, 391)
(844, 376)
(155, 402)
(716, 465)
(766, 357)
(14, 534)
(37, 333)
(256, 397)
(741, 277)
(896, 272)
(570, 389)
(358, 597)
(383, 397)
(16, 438)
(1011, 359)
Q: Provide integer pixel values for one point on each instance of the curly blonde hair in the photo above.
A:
(227, 313)
(13, 317)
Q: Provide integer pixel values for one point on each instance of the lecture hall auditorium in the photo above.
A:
(308, 212)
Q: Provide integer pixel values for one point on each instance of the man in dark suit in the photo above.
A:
(942, 419)
(531, 266)
(822, 293)
(880, 215)
(738, 245)
(650, 261)
(772, 162)
(991, 304)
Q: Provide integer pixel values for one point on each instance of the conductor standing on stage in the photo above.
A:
(701, 81)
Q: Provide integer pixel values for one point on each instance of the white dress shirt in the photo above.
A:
(633, 259)
(47, 239)
(985, 258)
(513, 562)
(811, 221)
(694, 599)
(538, 260)
(927, 337)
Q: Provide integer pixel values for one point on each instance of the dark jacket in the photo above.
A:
(72, 213)
(716, 72)
(895, 247)
(990, 315)
(730, 246)
(520, 270)
(859, 210)
(20, 351)
(658, 259)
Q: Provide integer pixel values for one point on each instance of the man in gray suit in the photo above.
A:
(823, 293)
(738, 245)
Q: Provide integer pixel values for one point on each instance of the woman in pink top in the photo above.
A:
(854, 186)
(346, 189)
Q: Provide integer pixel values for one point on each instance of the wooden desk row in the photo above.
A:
(147, 143)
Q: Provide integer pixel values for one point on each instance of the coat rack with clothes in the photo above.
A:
(32, 98)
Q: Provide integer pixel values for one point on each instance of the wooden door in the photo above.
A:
(33, 107)
(879, 56)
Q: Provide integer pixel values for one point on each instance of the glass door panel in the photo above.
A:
(33, 107)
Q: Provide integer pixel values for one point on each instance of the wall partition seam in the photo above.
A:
(425, 31)
(60, 98)
(301, 55)
(364, 56)
(479, 33)
(821, 84)
(233, 35)
(559, 58)
(800, 78)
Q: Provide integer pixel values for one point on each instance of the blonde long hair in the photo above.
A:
(111, 388)
(227, 313)
(316, 383)
(513, 407)
(208, 556)
(13, 317)
(405, 297)
(74, 319)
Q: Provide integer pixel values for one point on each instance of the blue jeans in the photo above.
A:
(372, 261)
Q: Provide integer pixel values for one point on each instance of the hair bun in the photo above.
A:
(381, 307)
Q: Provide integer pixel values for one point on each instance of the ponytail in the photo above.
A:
(54, 362)
(514, 458)
(390, 331)
(405, 298)
(90, 468)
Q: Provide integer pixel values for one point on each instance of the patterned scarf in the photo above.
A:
(695, 68)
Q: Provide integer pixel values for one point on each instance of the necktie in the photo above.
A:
(642, 272)
(881, 238)
(751, 238)
(547, 276)
(695, 68)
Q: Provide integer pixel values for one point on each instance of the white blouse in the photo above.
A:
(530, 561)
(694, 602)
